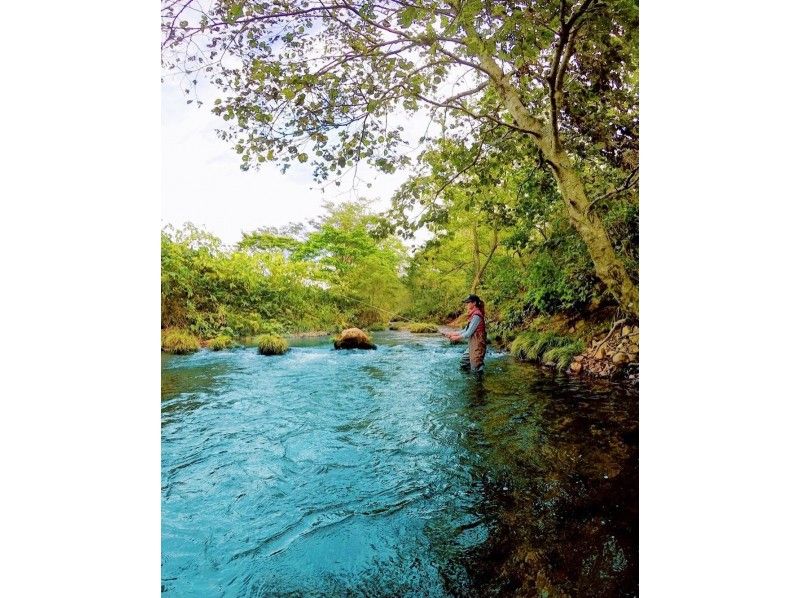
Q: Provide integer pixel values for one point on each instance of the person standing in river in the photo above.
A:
(475, 332)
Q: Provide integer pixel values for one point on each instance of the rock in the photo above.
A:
(633, 348)
(575, 367)
(580, 358)
(600, 353)
(619, 359)
(626, 330)
(580, 325)
(353, 338)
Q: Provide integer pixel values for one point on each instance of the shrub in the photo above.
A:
(560, 278)
(272, 344)
(220, 343)
(422, 327)
(179, 341)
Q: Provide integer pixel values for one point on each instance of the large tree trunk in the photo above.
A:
(608, 266)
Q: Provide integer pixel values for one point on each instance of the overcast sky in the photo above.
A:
(202, 182)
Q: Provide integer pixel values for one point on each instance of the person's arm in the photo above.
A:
(469, 330)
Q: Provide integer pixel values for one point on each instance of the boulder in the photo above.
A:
(626, 330)
(575, 367)
(619, 359)
(633, 348)
(600, 353)
(353, 338)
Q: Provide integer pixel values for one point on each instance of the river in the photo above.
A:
(392, 473)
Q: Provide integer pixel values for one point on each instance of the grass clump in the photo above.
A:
(422, 327)
(562, 356)
(179, 341)
(534, 345)
(379, 327)
(271, 344)
(220, 343)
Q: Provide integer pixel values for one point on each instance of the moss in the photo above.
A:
(220, 343)
(353, 338)
(179, 341)
(422, 327)
(272, 344)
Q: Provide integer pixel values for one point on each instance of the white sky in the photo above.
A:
(202, 183)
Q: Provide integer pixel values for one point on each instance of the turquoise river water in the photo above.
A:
(392, 473)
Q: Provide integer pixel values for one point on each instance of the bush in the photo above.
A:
(422, 327)
(220, 343)
(555, 286)
(272, 344)
(179, 341)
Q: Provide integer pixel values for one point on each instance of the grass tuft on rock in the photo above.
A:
(220, 343)
(422, 327)
(271, 344)
(379, 327)
(562, 356)
(537, 346)
(353, 338)
(179, 341)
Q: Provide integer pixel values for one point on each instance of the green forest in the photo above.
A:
(525, 183)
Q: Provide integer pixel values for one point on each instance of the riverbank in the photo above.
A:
(597, 343)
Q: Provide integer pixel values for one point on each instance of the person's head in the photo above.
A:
(473, 301)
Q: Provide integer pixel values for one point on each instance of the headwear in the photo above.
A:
(472, 299)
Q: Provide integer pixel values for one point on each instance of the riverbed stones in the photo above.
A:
(576, 367)
(353, 338)
(619, 358)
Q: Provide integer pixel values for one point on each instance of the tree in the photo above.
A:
(324, 81)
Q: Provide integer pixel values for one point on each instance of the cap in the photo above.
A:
(472, 299)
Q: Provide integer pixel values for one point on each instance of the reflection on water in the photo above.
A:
(391, 473)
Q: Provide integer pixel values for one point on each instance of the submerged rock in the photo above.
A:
(353, 338)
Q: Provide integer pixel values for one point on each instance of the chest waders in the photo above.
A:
(472, 359)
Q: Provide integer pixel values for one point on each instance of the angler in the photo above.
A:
(475, 331)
